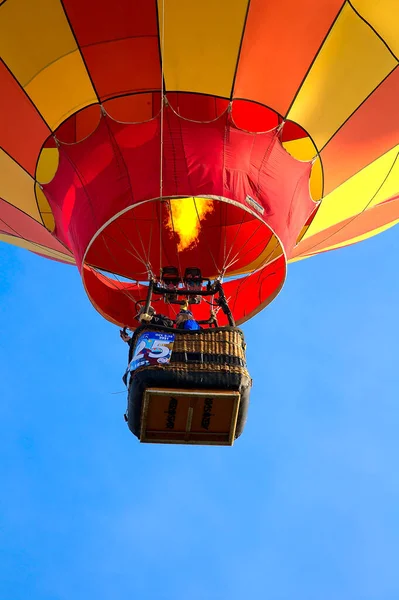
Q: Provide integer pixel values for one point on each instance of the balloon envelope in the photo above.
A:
(233, 135)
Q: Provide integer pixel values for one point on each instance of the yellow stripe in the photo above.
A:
(21, 243)
(17, 187)
(359, 192)
(38, 46)
(45, 209)
(297, 259)
(355, 240)
(383, 15)
(352, 62)
(47, 165)
(202, 41)
(304, 149)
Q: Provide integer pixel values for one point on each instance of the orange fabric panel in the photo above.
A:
(347, 230)
(281, 39)
(371, 131)
(16, 223)
(37, 249)
(22, 130)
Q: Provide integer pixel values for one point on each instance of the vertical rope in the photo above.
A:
(161, 134)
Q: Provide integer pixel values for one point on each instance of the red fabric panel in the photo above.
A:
(119, 42)
(116, 300)
(79, 126)
(251, 294)
(280, 41)
(292, 131)
(227, 235)
(134, 109)
(119, 166)
(22, 129)
(87, 190)
(259, 166)
(371, 131)
(254, 117)
(17, 223)
(197, 107)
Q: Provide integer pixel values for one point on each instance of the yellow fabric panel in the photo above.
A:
(201, 44)
(303, 149)
(17, 187)
(33, 35)
(46, 169)
(359, 192)
(45, 209)
(10, 239)
(302, 234)
(391, 184)
(47, 165)
(352, 62)
(383, 15)
(62, 89)
(38, 46)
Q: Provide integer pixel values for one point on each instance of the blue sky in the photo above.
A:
(304, 507)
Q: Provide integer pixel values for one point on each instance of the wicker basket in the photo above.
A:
(208, 363)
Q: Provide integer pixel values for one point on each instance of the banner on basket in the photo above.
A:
(152, 348)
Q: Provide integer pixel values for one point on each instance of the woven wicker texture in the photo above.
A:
(196, 368)
(209, 341)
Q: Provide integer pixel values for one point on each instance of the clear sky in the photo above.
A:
(305, 506)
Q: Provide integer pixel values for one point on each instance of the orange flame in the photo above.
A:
(184, 219)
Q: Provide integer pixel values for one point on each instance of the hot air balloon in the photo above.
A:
(183, 152)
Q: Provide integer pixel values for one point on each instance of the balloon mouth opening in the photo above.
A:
(220, 236)
(224, 237)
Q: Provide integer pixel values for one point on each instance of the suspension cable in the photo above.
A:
(161, 134)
